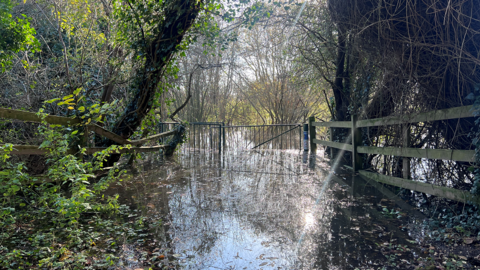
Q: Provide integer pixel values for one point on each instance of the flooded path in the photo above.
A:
(271, 209)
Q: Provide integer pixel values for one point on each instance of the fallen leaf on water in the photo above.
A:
(468, 241)
(262, 264)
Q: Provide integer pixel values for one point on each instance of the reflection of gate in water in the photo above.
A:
(215, 136)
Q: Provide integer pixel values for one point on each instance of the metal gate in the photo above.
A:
(215, 136)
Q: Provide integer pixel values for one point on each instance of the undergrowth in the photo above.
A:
(61, 220)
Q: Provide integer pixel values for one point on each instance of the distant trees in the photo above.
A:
(259, 78)
(280, 87)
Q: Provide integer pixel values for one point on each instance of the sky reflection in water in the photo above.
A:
(256, 210)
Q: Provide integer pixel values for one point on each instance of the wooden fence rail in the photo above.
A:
(35, 150)
(357, 148)
(67, 121)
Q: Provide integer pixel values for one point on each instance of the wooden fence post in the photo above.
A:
(301, 136)
(194, 136)
(305, 137)
(406, 144)
(219, 138)
(313, 135)
(331, 139)
(357, 160)
(224, 138)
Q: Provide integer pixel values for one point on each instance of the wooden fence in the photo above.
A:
(357, 148)
(66, 121)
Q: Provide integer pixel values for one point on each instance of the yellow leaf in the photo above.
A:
(89, 120)
(70, 107)
(65, 255)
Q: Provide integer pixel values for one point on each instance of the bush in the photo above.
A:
(54, 221)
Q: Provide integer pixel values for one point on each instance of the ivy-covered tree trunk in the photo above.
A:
(179, 17)
(339, 91)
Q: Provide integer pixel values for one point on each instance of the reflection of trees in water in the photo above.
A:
(271, 196)
(262, 202)
(192, 213)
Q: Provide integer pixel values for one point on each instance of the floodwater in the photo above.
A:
(271, 209)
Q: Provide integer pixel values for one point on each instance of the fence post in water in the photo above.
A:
(331, 139)
(305, 137)
(224, 138)
(219, 138)
(313, 134)
(357, 161)
(300, 131)
(406, 144)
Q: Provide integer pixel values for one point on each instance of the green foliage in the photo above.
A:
(47, 221)
(85, 110)
(452, 224)
(16, 35)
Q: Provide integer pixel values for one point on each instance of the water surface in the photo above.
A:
(269, 209)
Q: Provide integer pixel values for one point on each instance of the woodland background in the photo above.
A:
(129, 65)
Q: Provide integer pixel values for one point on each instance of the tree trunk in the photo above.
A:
(341, 101)
(179, 17)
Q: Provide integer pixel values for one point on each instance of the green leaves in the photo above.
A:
(16, 35)
(52, 100)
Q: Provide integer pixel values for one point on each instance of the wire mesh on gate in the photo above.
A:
(280, 136)
(215, 136)
(206, 136)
